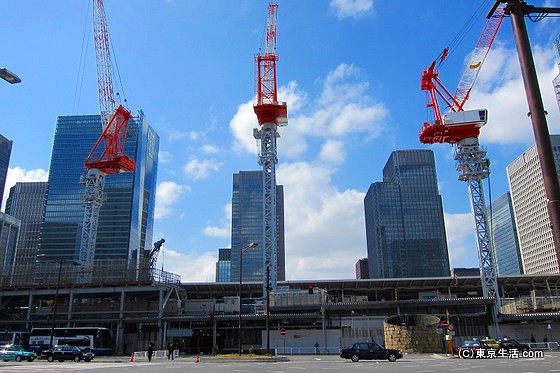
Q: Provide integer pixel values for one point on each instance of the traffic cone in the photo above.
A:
(197, 358)
(131, 360)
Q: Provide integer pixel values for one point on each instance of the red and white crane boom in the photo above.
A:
(107, 155)
(461, 128)
(452, 128)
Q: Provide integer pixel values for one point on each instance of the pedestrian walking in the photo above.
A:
(316, 348)
(150, 351)
(170, 349)
(533, 340)
(545, 339)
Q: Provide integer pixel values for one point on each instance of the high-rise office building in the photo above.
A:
(405, 229)
(26, 202)
(530, 209)
(247, 226)
(362, 269)
(9, 229)
(223, 265)
(5, 151)
(503, 235)
(124, 233)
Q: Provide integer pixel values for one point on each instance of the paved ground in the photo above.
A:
(424, 363)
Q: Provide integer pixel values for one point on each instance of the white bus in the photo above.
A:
(14, 338)
(96, 340)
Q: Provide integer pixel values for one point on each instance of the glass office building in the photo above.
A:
(405, 229)
(9, 229)
(124, 234)
(505, 244)
(5, 151)
(223, 265)
(247, 226)
(26, 202)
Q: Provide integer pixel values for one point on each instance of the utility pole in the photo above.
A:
(517, 9)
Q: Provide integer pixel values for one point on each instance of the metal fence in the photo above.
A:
(105, 272)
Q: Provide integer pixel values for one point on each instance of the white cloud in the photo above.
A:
(192, 266)
(174, 135)
(164, 157)
(324, 227)
(167, 194)
(209, 149)
(332, 152)
(223, 231)
(351, 8)
(201, 169)
(461, 244)
(241, 126)
(500, 90)
(18, 174)
(342, 108)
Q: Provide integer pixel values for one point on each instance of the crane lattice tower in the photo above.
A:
(270, 114)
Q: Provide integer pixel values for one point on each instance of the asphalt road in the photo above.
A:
(420, 363)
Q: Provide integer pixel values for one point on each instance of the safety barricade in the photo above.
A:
(157, 355)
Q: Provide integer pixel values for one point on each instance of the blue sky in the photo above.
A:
(349, 70)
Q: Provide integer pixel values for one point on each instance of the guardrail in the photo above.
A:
(549, 346)
(157, 355)
(330, 350)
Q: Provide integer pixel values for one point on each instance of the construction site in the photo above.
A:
(140, 304)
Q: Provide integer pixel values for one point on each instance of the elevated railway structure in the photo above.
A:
(202, 316)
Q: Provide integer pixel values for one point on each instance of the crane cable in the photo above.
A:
(120, 84)
(464, 31)
(86, 37)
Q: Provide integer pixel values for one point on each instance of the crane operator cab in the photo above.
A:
(477, 117)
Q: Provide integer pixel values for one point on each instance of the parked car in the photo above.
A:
(17, 353)
(476, 348)
(468, 349)
(369, 351)
(491, 343)
(511, 343)
(66, 352)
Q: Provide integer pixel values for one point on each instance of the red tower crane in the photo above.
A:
(451, 128)
(270, 114)
(107, 155)
(462, 128)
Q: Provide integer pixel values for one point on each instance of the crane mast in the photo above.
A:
(270, 114)
(107, 155)
(461, 128)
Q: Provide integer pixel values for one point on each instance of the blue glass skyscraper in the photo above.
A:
(223, 265)
(26, 202)
(247, 226)
(124, 233)
(505, 243)
(405, 229)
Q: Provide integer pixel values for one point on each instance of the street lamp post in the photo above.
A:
(9, 76)
(53, 323)
(249, 245)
